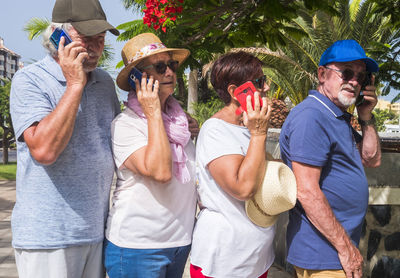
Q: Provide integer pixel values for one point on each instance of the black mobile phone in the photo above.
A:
(367, 81)
(360, 99)
(135, 74)
(56, 36)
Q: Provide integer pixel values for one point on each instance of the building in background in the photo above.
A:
(9, 62)
(383, 104)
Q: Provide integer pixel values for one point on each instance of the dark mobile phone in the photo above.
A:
(241, 94)
(56, 36)
(360, 99)
(367, 81)
(135, 74)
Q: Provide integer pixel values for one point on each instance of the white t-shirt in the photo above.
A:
(225, 242)
(146, 214)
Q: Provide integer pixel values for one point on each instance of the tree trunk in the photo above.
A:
(5, 146)
(181, 88)
(192, 94)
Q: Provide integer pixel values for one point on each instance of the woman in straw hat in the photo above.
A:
(230, 155)
(150, 223)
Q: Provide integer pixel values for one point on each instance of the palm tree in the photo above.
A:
(292, 69)
(36, 26)
(5, 117)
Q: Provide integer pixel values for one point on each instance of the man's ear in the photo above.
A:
(231, 89)
(322, 74)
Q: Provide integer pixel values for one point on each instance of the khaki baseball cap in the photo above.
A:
(86, 16)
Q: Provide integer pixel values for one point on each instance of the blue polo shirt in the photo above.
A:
(318, 133)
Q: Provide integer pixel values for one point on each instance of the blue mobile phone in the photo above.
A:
(135, 74)
(56, 36)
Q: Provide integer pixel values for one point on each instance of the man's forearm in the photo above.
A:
(320, 214)
(50, 136)
(370, 147)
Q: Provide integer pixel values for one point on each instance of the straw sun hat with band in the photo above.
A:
(276, 194)
(141, 47)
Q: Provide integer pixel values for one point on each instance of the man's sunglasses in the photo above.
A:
(161, 67)
(348, 74)
(259, 82)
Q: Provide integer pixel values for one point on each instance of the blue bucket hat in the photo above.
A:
(347, 51)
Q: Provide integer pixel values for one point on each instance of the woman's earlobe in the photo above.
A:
(231, 89)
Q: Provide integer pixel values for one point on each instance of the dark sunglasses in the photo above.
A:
(161, 67)
(348, 74)
(259, 82)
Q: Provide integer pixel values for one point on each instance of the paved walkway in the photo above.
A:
(7, 262)
(7, 200)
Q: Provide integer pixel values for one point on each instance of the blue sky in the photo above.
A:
(16, 13)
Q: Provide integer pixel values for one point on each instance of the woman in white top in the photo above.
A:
(230, 158)
(150, 223)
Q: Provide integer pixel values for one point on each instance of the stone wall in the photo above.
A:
(380, 241)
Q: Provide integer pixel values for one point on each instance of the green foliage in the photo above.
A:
(5, 89)
(209, 27)
(204, 110)
(293, 68)
(35, 27)
(389, 8)
(8, 171)
(383, 116)
(5, 117)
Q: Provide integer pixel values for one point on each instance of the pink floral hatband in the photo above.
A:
(147, 50)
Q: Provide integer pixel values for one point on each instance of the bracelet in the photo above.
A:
(369, 122)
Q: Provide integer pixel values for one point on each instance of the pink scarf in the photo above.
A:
(177, 128)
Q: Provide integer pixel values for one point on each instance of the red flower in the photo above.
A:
(157, 12)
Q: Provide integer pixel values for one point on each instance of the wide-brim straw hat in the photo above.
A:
(276, 194)
(141, 47)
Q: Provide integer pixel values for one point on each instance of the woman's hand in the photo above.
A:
(148, 96)
(153, 160)
(257, 119)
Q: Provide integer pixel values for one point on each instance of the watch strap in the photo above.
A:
(368, 122)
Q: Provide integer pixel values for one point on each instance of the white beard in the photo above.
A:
(346, 101)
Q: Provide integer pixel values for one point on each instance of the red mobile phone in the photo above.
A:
(241, 94)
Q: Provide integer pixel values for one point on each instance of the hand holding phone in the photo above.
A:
(368, 81)
(241, 94)
(134, 75)
(56, 36)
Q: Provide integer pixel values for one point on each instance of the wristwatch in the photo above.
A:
(369, 122)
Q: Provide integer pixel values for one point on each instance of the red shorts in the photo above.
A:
(195, 272)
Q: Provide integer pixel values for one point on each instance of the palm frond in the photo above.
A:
(132, 28)
(35, 27)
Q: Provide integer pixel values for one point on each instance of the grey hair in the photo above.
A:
(47, 33)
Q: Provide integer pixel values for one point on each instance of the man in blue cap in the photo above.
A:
(327, 157)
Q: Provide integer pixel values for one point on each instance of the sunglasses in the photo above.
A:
(161, 67)
(259, 82)
(348, 74)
